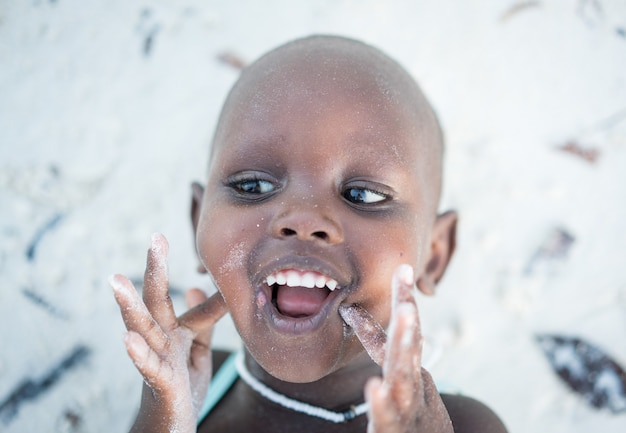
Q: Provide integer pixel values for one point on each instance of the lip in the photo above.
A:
(288, 325)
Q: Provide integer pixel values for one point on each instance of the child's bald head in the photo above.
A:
(326, 161)
(336, 71)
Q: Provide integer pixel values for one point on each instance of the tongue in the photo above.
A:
(300, 301)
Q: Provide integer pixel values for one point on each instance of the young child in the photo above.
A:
(318, 220)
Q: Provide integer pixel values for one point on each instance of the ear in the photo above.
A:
(443, 243)
(197, 192)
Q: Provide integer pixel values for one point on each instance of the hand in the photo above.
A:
(405, 399)
(172, 354)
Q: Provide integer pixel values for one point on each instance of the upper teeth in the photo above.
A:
(309, 279)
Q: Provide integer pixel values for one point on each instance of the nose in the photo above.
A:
(308, 223)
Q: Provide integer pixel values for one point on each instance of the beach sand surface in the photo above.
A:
(107, 110)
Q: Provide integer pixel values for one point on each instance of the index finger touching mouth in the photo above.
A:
(369, 332)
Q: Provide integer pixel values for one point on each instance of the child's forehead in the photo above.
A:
(337, 101)
(333, 71)
(327, 68)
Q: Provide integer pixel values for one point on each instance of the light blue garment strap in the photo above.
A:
(220, 384)
(444, 387)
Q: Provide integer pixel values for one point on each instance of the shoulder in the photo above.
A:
(469, 415)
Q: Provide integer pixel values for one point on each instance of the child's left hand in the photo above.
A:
(405, 399)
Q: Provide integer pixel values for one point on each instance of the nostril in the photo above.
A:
(287, 232)
(321, 235)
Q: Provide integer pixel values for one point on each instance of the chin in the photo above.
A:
(302, 361)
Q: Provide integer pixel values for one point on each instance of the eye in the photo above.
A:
(360, 195)
(254, 186)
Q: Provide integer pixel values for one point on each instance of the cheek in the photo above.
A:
(223, 241)
(391, 244)
(378, 255)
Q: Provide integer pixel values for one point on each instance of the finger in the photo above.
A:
(402, 292)
(402, 364)
(369, 332)
(155, 284)
(399, 371)
(203, 317)
(200, 354)
(136, 316)
(195, 297)
(146, 360)
(402, 285)
(380, 413)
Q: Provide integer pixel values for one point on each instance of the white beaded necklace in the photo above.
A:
(295, 405)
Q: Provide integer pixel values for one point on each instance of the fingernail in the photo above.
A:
(154, 239)
(406, 274)
(158, 244)
(348, 314)
(114, 283)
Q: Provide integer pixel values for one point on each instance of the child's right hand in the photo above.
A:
(172, 354)
(405, 399)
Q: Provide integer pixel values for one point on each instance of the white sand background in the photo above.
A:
(107, 109)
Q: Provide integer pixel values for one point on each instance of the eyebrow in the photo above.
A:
(253, 149)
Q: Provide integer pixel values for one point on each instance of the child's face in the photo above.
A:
(315, 180)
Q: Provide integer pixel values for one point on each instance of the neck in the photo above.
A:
(336, 391)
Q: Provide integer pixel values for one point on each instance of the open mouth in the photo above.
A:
(300, 294)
